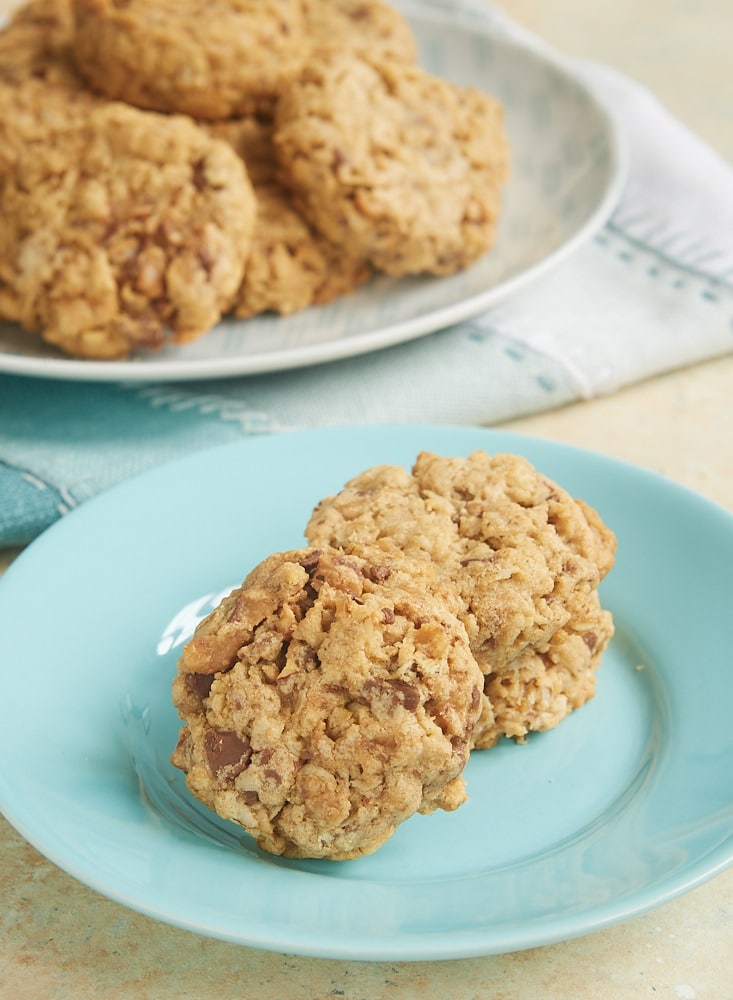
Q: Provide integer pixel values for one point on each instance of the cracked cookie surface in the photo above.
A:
(524, 557)
(326, 701)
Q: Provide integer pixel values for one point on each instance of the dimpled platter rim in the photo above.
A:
(568, 168)
(625, 805)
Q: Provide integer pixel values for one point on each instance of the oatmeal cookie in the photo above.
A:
(40, 96)
(540, 687)
(291, 266)
(210, 59)
(528, 553)
(40, 92)
(326, 701)
(402, 168)
(361, 26)
(524, 557)
(125, 231)
(35, 34)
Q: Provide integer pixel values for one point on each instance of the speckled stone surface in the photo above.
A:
(61, 940)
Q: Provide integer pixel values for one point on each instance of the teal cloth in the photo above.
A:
(62, 442)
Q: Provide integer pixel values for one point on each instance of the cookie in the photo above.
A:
(398, 166)
(326, 701)
(40, 96)
(290, 266)
(528, 553)
(250, 136)
(539, 688)
(210, 59)
(40, 91)
(361, 26)
(524, 557)
(35, 34)
(127, 231)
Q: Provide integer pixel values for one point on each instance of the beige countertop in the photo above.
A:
(60, 939)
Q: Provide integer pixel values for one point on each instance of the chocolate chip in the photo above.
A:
(310, 560)
(475, 698)
(378, 574)
(303, 655)
(206, 259)
(226, 750)
(388, 616)
(433, 710)
(398, 691)
(338, 689)
(200, 684)
(339, 158)
(590, 639)
(407, 694)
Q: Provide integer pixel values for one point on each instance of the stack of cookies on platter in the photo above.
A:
(432, 613)
(167, 162)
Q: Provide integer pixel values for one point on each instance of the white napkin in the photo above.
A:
(654, 290)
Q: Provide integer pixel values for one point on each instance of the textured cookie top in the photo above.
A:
(540, 686)
(326, 701)
(123, 228)
(207, 58)
(360, 26)
(40, 91)
(291, 266)
(521, 552)
(400, 166)
(385, 507)
(36, 32)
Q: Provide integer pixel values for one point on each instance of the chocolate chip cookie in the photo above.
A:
(326, 701)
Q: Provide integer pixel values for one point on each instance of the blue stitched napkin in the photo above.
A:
(651, 292)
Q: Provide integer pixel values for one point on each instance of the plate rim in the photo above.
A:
(695, 873)
(293, 358)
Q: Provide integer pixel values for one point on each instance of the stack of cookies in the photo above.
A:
(341, 688)
(164, 163)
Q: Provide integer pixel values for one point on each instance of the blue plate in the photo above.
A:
(625, 805)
